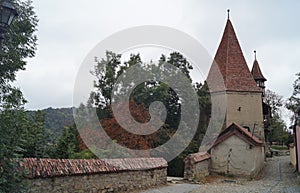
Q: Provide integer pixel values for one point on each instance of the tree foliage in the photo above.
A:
(274, 100)
(107, 71)
(279, 132)
(19, 43)
(124, 137)
(56, 119)
(37, 141)
(293, 102)
(21, 136)
(278, 129)
(68, 143)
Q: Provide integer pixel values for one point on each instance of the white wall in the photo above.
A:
(243, 159)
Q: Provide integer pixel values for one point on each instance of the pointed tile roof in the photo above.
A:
(232, 65)
(256, 72)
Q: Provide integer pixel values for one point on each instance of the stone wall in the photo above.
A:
(94, 176)
(293, 155)
(112, 182)
(196, 166)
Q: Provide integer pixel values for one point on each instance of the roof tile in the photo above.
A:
(35, 167)
(256, 72)
(232, 64)
(197, 157)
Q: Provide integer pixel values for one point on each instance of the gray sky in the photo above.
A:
(69, 29)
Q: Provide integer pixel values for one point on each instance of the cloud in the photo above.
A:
(68, 30)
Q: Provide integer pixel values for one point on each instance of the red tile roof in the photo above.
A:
(242, 133)
(256, 72)
(232, 65)
(63, 167)
(36, 168)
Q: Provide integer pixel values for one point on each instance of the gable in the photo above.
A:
(240, 132)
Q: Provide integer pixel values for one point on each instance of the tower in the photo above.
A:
(257, 75)
(243, 97)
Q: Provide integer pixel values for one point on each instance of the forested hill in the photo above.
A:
(57, 119)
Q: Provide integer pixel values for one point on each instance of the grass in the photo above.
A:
(279, 147)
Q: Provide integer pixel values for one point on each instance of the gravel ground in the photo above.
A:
(277, 177)
(175, 188)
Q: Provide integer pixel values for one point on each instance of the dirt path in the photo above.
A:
(277, 177)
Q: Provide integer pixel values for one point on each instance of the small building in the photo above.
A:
(237, 152)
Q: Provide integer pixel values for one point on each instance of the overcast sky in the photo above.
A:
(69, 29)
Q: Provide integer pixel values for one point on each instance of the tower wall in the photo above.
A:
(245, 109)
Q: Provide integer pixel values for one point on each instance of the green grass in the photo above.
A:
(279, 147)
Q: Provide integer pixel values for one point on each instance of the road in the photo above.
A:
(277, 177)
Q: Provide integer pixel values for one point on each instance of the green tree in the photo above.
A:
(279, 132)
(278, 129)
(294, 101)
(68, 143)
(19, 43)
(274, 100)
(106, 72)
(36, 141)
(11, 126)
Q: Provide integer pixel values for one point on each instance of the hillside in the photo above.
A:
(57, 118)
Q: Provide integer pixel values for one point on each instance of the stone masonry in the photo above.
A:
(93, 176)
(196, 166)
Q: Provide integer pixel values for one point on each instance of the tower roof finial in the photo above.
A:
(228, 11)
(255, 54)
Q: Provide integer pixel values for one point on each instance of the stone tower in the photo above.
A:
(243, 97)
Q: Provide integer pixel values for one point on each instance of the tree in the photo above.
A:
(19, 43)
(143, 96)
(125, 138)
(36, 142)
(294, 101)
(274, 100)
(278, 130)
(68, 143)
(106, 72)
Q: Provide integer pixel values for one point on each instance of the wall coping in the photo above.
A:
(137, 163)
(198, 157)
(43, 168)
